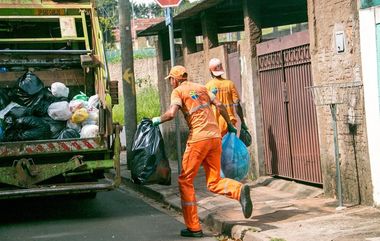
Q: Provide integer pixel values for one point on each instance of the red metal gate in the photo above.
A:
(289, 115)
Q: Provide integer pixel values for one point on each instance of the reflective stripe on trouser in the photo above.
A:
(208, 154)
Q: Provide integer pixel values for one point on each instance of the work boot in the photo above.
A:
(245, 201)
(188, 233)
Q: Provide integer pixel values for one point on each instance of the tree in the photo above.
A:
(185, 4)
(151, 10)
(108, 19)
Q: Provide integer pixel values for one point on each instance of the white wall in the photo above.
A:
(368, 19)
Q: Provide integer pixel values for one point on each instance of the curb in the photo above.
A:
(209, 220)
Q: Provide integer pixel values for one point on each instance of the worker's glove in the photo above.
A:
(244, 126)
(231, 128)
(156, 121)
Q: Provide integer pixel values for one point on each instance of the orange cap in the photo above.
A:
(178, 72)
(216, 67)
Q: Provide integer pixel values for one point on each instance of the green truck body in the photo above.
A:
(60, 41)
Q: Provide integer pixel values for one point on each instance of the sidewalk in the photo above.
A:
(282, 209)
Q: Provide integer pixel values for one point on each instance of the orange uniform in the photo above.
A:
(226, 93)
(203, 147)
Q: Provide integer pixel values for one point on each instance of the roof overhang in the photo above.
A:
(230, 17)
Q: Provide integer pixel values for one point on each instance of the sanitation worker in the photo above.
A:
(227, 94)
(203, 148)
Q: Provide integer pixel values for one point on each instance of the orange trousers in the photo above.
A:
(208, 153)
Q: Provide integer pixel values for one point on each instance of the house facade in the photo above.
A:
(289, 84)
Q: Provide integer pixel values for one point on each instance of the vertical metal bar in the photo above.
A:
(285, 103)
(85, 32)
(336, 145)
(172, 61)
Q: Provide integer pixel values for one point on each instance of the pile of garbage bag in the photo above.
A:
(30, 111)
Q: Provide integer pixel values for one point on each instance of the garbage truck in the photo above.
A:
(57, 41)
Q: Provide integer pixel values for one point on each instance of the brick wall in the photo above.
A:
(326, 17)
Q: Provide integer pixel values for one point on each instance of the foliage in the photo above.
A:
(114, 56)
(153, 10)
(143, 10)
(148, 105)
(277, 239)
(185, 4)
(108, 19)
(144, 53)
(109, 15)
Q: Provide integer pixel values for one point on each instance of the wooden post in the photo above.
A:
(129, 90)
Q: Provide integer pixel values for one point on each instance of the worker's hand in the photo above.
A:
(244, 126)
(156, 121)
(231, 128)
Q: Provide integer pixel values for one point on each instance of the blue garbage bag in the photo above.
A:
(1, 133)
(235, 157)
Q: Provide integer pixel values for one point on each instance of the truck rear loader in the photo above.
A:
(59, 41)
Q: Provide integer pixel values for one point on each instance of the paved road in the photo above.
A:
(112, 216)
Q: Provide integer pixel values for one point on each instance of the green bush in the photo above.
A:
(148, 105)
(114, 56)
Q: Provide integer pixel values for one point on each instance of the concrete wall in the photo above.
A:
(145, 73)
(326, 18)
(370, 60)
(250, 99)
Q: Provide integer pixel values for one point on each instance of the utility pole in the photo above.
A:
(129, 90)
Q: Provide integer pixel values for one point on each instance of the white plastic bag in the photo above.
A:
(59, 90)
(59, 111)
(76, 105)
(89, 131)
(93, 101)
(93, 117)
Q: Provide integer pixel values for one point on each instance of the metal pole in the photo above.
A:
(337, 163)
(172, 61)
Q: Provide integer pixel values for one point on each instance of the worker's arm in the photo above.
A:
(239, 112)
(167, 116)
(223, 111)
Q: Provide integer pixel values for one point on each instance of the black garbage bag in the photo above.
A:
(56, 127)
(149, 164)
(4, 99)
(41, 103)
(30, 83)
(38, 103)
(28, 128)
(49, 97)
(18, 112)
(245, 137)
(68, 133)
(22, 98)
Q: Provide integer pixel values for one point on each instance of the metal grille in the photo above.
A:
(289, 115)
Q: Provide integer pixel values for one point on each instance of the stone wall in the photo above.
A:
(328, 66)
